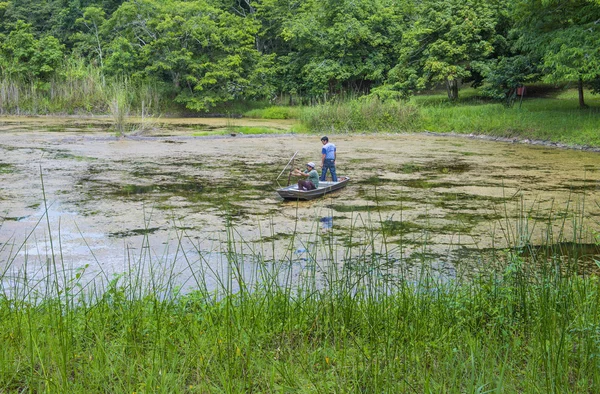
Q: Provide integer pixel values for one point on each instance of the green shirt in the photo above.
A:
(313, 177)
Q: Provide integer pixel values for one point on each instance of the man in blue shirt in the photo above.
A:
(328, 159)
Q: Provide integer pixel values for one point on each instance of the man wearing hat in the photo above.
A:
(328, 159)
(313, 177)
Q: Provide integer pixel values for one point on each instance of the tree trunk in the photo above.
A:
(452, 88)
(580, 91)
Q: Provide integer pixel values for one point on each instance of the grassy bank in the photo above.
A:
(553, 115)
(556, 118)
(531, 325)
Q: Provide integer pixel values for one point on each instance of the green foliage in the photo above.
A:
(504, 75)
(442, 41)
(121, 58)
(22, 56)
(3, 7)
(351, 50)
(206, 54)
(391, 92)
(34, 13)
(51, 17)
(90, 42)
(16, 51)
(564, 34)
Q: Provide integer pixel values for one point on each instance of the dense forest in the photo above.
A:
(202, 53)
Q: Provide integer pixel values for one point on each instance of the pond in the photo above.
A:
(75, 199)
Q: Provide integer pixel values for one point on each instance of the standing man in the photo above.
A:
(328, 159)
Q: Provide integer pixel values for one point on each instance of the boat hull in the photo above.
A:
(292, 193)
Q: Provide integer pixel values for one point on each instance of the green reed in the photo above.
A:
(361, 116)
(268, 321)
(119, 103)
(78, 88)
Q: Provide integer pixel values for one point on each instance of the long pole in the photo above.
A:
(286, 166)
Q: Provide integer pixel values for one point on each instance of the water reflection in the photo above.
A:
(326, 222)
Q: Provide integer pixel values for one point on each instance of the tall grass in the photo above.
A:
(361, 116)
(78, 88)
(126, 100)
(119, 103)
(310, 325)
(121, 97)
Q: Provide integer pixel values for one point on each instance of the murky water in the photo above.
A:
(172, 202)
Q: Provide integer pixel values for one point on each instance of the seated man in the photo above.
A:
(313, 177)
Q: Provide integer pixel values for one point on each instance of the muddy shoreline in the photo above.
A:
(517, 140)
(104, 122)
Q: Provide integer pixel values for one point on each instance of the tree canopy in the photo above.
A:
(205, 52)
(565, 35)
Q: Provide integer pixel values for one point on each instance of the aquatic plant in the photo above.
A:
(119, 103)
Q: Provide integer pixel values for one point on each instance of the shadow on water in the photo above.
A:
(6, 168)
(397, 227)
(441, 167)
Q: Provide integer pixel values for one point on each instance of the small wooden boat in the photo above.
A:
(292, 193)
